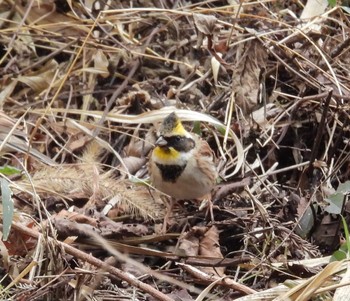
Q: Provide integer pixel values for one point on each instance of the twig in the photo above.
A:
(226, 189)
(225, 281)
(129, 278)
(319, 134)
(46, 58)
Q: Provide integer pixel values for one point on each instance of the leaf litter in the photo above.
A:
(83, 88)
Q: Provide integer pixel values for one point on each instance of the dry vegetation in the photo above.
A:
(82, 87)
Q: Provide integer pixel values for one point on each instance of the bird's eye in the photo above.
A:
(177, 138)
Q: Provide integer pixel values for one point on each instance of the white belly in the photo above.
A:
(187, 186)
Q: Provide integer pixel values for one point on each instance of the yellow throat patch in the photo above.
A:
(166, 154)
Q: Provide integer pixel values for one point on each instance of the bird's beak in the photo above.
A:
(161, 142)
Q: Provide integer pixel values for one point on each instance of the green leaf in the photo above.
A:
(197, 128)
(306, 223)
(9, 170)
(346, 231)
(332, 2)
(343, 252)
(336, 199)
(338, 255)
(7, 207)
(344, 187)
(335, 203)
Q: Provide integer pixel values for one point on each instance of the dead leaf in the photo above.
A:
(314, 8)
(134, 164)
(46, 14)
(188, 245)
(180, 295)
(327, 233)
(305, 290)
(215, 66)
(18, 243)
(251, 58)
(205, 23)
(209, 246)
(201, 241)
(40, 79)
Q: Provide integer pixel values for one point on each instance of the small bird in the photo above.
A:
(181, 164)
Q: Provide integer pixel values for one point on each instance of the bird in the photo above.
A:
(182, 164)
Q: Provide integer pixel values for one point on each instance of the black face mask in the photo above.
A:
(179, 143)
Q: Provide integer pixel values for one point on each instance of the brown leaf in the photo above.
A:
(46, 14)
(303, 271)
(205, 23)
(188, 245)
(327, 233)
(101, 63)
(201, 241)
(18, 243)
(180, 295)
(42, 78)
(210, 247)
(251, 59)
(133, 163)
(13, 138)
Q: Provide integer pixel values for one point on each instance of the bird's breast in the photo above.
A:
(170, 173)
